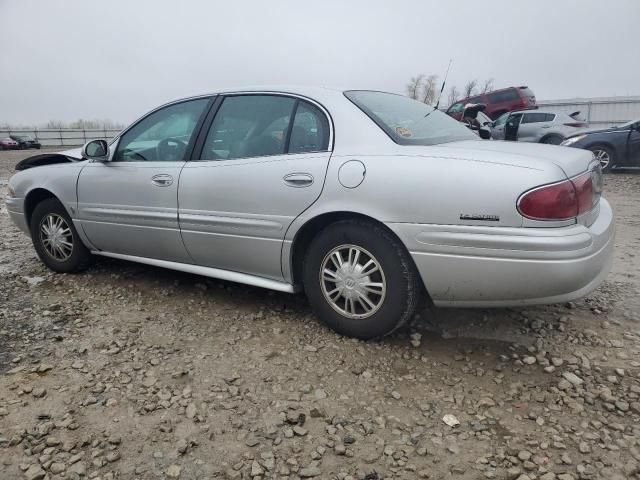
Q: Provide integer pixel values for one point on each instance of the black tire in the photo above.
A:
(552, 139)
(79, 257)
(596, 149)
(403, 285)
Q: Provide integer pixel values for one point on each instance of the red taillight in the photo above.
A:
(584, 192)
(561, 201)
(551, 202)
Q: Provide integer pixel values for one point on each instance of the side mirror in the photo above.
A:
(484, 133)
(97, 150)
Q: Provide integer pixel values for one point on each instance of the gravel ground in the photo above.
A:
(128, 371)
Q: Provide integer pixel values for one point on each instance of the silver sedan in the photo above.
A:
(365, 200)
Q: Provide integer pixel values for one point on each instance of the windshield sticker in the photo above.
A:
(403, 132)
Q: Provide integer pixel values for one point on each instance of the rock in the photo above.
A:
(57, 467)
(396, 395)
(113, 456)
(548, 476)
(35, 472)
(299, 431)
(79, 468)
(450, 420)
(309, 472)
(39, 392)
(320, 394)
(524, 455)
(191, 410)
(182, 446)
(174, 471)
(572, 378)
(529, 360)
(256, 469)
(415, 339)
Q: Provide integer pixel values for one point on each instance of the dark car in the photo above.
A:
(497, 102)
(615, 147)
(25, 141)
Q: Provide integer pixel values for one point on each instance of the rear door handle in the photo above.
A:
(162, 180)
(298, 179)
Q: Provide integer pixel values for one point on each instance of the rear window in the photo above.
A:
(407, 121)
(503, 96)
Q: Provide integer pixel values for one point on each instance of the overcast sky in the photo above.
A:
(116, 59)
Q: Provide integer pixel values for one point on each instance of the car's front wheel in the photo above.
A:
(56, 240)
(360, 280)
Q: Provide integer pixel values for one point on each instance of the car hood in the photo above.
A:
(571, 161)
(53, 158)
(600, 130)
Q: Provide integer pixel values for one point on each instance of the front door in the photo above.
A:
(511, 127)
(263, 162)
(130, 204)
(633, 146)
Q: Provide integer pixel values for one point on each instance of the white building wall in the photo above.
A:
(598, 111)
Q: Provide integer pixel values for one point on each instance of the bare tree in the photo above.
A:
(55, 124)
(454, 94)
(414, 86)
(470, 88)
(487, 86)
(429, 93)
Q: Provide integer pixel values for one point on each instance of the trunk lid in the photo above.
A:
(572, 161)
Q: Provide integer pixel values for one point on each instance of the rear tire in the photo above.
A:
(605, 155)
(56, 240)
(552, 140)
(353, 259)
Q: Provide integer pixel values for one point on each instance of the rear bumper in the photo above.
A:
(471, 266)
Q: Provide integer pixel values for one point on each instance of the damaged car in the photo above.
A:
(366, 201)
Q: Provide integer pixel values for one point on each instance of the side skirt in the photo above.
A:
(206, 272)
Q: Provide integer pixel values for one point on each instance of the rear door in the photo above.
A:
(130, 205)
(534, 126)
(260, 163)
(633, 146)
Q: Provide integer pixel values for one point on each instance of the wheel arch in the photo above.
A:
(33, 198)
(305, 234)
(550, 135)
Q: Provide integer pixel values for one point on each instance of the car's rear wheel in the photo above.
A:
(360, 280)
(56, 240)
(552, 140)
(605, 155)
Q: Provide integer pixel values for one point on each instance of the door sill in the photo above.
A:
(245, 278)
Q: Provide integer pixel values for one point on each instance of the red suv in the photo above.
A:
(497, 102)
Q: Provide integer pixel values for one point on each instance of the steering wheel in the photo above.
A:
(171, 149)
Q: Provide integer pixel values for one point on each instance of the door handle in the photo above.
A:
(298, 179)
(162, 180)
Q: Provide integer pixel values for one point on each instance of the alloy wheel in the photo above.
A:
(603, 157)
(56, 237)
(353, 281)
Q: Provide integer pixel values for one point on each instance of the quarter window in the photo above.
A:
(162, 135)
(310, 131)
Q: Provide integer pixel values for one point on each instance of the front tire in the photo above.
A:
(360, 280)
(605, 155)
(56, 240)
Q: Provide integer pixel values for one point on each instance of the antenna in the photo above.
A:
(443, 84)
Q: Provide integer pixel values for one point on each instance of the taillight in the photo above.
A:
(563, 200)
(550, 202)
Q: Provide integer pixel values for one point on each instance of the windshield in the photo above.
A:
(407, 121)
